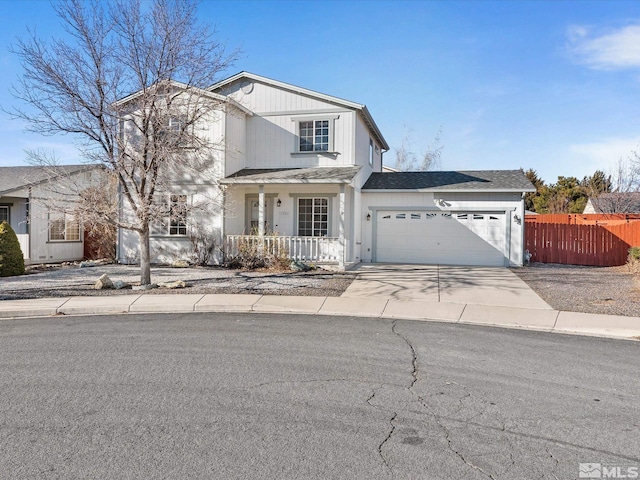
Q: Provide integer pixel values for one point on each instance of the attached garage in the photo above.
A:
(447, 218)
(447, 238)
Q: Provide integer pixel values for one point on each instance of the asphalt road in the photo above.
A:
(263, 396)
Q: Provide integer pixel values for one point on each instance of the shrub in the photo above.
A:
(633, 260)
(11, 258)
(204, 246)
(253, 255)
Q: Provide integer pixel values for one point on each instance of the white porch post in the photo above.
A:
(261, 210)
(342, 252)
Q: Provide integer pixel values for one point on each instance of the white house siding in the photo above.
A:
(361, 146)
(266, 98)
(271, 141)
(235, 141)
(457, 202)
(165, 249)
(42, 249)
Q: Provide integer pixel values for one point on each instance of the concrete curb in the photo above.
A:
(507, 317)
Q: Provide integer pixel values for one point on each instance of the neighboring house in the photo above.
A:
(27, 198)
(304, 171)
(617, 202)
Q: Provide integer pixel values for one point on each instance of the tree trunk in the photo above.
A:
(145, 257)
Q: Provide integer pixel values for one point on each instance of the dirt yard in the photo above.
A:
(607, 290)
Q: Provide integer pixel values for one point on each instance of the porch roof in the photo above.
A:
(292, 175)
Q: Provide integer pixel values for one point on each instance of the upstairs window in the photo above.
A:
(174, 131)
(314, 136)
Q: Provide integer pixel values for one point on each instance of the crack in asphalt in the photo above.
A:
(414, 355)
(389, 435)
(421, 400)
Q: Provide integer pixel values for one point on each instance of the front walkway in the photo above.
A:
(437, 283)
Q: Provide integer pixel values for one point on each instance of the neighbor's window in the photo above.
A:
(314, 136)
(313, 217)
(63, 228)
(178, 215)
(4, 214)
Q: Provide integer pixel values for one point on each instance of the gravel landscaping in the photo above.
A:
(607, 290)
(70, 280)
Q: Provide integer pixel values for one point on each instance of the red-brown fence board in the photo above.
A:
(583, 218)
(580, 244)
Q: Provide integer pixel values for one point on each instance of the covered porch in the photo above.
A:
(304, 213)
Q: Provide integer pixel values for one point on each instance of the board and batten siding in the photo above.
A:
(266, 98)
(458, 202)
(362, 138)
(235, 141)
(272, 141)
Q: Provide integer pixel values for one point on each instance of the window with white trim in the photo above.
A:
(178, 215)
(4, 213)
(63, 228)
(174, 209)
(314, 136)
(313, 217)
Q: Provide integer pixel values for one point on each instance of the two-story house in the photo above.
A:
(304, 170)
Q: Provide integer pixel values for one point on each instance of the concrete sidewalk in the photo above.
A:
(511, 317)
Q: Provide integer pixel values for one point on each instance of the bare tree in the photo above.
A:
(128, 83)
(407, 160)
(624, 194)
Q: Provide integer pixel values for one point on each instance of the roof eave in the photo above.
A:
(46, 180)
(286, 86)
(305, 91)
(233, 181)
(184, 86)
(447, 190)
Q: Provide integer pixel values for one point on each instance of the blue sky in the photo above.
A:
(549, 85)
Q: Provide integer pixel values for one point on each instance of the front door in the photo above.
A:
(253, 215)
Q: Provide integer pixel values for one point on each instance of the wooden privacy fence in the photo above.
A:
(583, 218)
(600, 245)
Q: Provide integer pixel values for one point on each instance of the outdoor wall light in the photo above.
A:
(517, 219)
(368, 217)
(278, 203)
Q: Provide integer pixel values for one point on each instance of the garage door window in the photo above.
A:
(313, 217)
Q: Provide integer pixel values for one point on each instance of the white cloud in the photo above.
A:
(586, 158)
(617, 49)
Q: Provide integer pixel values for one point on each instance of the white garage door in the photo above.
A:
(460, 238)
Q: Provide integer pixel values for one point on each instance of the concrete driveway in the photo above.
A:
(438, 283)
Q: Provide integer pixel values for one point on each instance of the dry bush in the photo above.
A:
(633, 261)
(254, 255)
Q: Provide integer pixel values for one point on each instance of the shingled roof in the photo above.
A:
(17, 178)
(293, 175)
(459, 181)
